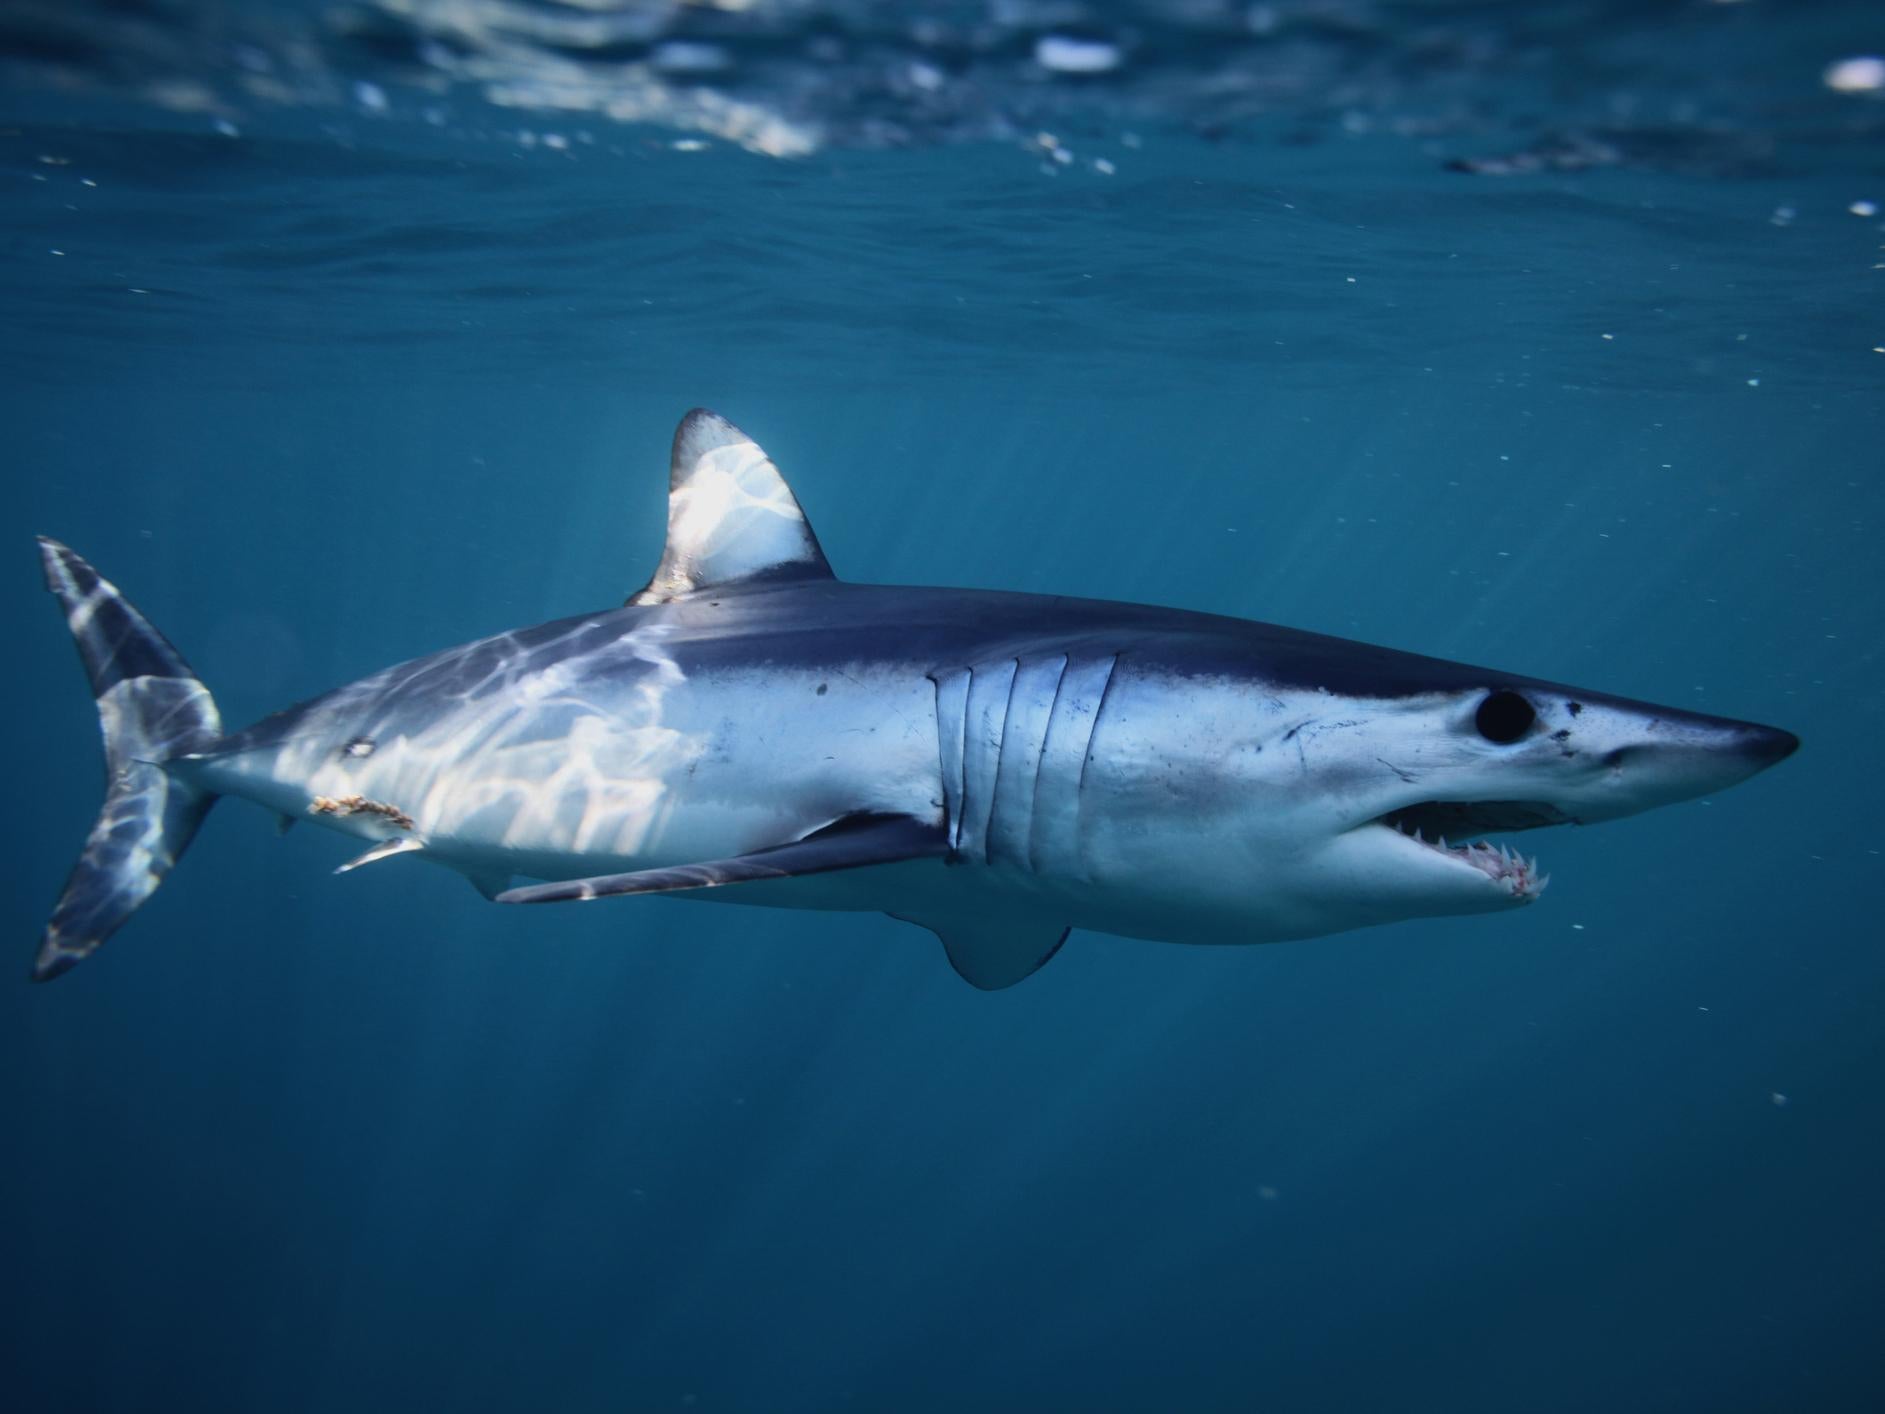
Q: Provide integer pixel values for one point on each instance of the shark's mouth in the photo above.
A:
(1474, 817)
(1432, 822)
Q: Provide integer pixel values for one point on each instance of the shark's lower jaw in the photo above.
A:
(1517, 876)
(1515, 873)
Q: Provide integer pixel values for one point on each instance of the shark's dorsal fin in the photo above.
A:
(732, 520)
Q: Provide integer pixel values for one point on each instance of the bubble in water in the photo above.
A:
(1864, 73)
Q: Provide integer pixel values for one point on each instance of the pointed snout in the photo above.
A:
(1765, 746)
(1656, 756)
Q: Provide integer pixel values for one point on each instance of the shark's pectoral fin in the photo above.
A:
(732, 520)
(992, 952)
(850, 843)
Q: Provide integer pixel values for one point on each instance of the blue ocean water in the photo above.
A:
(1545, 339)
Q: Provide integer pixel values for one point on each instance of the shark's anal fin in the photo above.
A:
(990, 951)
(849, 843)
(732, 520)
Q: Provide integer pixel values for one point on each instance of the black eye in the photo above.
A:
(1504, 717)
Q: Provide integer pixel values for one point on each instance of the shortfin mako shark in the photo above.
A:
(996, 767)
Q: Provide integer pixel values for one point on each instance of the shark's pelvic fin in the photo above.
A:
(732, 520)
(992, 952)
(488, 883)
(385, 849)
(850, 843)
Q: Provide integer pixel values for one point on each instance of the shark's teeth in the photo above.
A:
(1498, 862)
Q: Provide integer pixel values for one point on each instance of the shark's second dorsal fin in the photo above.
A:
(732, 520)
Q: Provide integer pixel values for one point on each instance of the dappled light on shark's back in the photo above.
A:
(996, 767)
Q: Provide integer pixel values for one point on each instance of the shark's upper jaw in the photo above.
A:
(1459, 818)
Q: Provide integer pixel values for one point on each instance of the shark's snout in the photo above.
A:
(1655, 759)
(1766, 746)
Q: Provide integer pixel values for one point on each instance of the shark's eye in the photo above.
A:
(1504, 717)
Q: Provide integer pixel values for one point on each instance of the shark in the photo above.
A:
(999, 768)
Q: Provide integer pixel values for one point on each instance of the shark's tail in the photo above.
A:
(151, 708)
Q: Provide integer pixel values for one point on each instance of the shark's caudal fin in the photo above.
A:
(151, 708)
(732, 521)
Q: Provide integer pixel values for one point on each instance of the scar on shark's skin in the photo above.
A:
(359, 805)
(1407, 776)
